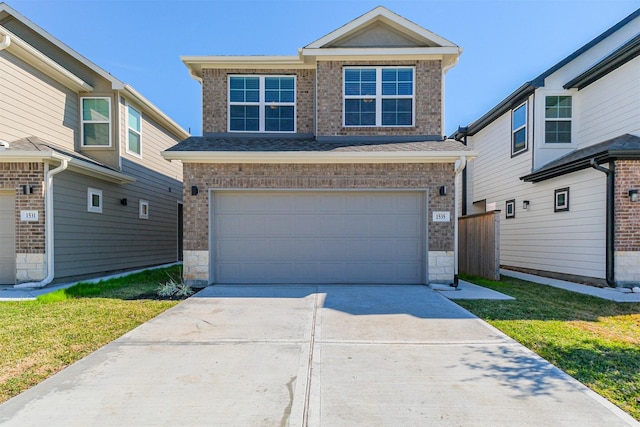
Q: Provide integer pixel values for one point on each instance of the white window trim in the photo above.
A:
(571, 119)
(558, 207)
(378, 97)
(83, 121)
(94, 192)
(129, 128)
(262, 103)
(142, 204)
(524, 126)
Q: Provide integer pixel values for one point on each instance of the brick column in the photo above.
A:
(627, 221)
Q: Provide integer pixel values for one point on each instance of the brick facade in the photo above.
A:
(310, 176)
(29, 234)
(627, 213)
(214, 97)
(428, 99)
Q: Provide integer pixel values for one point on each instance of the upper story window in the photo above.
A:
(519, 129)
(262, 103)
(379, 96)
(96, 122)
(134, 132)
(557, 119)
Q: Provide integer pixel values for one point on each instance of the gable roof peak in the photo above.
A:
(381, 14)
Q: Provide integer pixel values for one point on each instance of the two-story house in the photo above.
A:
(328, 166)
(84, 189)
(560, 157)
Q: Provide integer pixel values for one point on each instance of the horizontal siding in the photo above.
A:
(610, 107)
(155, 140)
(35, 105)
(90, 243)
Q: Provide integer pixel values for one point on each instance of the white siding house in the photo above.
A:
(545, 155)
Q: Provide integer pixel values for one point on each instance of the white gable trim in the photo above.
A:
(383, 14)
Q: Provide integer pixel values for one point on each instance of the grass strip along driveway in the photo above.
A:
(594, 340)
(39, 338)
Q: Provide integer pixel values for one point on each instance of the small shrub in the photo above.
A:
(172, 289)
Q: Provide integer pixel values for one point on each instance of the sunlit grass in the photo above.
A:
(39, 338)
(594, 340)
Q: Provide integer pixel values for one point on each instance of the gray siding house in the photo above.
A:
(328, 166)
(84, 189)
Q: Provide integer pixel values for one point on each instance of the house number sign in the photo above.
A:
(28, 215)
(441, 216)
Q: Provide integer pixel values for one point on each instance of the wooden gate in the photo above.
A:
(479, 245)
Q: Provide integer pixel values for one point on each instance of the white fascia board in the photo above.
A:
(196, 64)
(77, 165)
(116, 84)
(318, 157)
(32, 56)
(156, 113)
(377, 52)
(385, 15)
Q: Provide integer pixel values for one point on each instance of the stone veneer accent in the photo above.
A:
(428, 99)
(215, 92)
(30, 267)
(441, 266)
(627, 235)
(311, 176)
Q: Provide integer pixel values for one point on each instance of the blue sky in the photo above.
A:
(505, 42)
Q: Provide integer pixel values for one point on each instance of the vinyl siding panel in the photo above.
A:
(610, 107)
(35, 105)
(89, 243)
(155, 140)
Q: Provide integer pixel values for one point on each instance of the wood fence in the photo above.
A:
(479, 245)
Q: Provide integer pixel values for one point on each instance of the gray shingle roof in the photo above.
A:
(625, 146)
(309, 144)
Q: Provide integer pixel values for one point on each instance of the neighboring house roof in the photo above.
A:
(620, 56)
(622, 147)
(24, 51)
(378, 34)
(34, 149)
(250, 149)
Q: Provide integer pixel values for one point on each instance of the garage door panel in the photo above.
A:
(318, 237)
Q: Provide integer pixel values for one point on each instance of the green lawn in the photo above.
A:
(595, 341)
(39, 338)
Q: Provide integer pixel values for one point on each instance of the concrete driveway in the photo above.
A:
(317, 356)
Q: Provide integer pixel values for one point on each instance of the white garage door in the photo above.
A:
(318, 237)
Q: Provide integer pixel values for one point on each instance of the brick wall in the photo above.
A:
(627, 213)
(214, 97)
(325, 176)
(29, 235)
(428, 99)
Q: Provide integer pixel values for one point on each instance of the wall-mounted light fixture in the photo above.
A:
(443, 190)
(27, 189)
(194, 190)
(525, 204)
(123, 202)
(633, 195)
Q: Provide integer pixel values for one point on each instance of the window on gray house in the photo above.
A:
(519, 129)
(557, 114)
(96, 122)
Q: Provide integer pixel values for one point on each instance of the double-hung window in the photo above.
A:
(262, 103)
(379, 96)
(557, 116)
(134, 132)
(519, 129)
(96, 122)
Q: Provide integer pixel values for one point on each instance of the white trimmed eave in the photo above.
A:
(156, 113)
(196, 64)
(32, 56)
(318, 157)
(76, 165)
